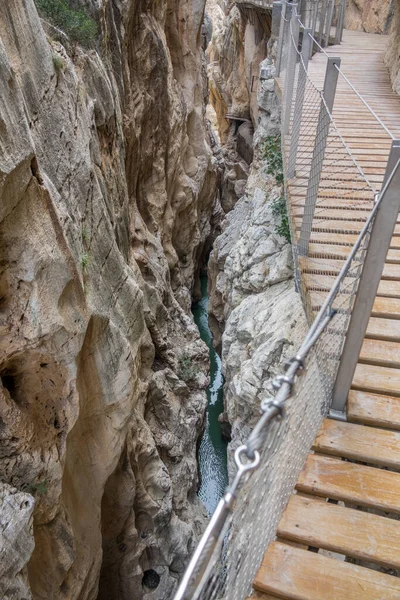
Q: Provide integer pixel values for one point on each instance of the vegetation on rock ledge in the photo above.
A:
(273, 154)
(74, 21)
(279, 209)
(187, 370)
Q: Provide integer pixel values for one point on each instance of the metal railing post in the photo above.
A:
(321, 136)
(298, 108)
(374, 261)
(342, 20)
(314, 23)
(329, 22)
(279, 49)
(276, 19)
(322, 23)
(290, 68)
(338, 23)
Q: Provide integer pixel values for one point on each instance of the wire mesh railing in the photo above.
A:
(324, 18)
(337, 216)
(330, 182)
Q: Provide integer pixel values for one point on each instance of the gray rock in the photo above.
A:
(16, 542)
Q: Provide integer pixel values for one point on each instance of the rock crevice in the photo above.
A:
(108, 192)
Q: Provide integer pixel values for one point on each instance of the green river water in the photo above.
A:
(212, 451)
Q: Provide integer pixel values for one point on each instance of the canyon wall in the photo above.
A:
(372, 16)
(392, 57)
(108, 192)
(238, 44)
(256, 311)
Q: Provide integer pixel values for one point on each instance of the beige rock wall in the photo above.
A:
(372, 16)
(237, 46)
(392, 57)
(107, 191)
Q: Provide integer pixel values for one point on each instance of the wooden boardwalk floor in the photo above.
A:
(339, 537)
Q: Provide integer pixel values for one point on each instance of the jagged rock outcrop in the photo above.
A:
(371, 16)
(107, 186)
(16, 541)
(392, 57)
(238, 45)
(256, 314)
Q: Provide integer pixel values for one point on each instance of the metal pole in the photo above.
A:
(290, 69)
(315, 17)
(331, 77)
(276, 19)
(298, 109)
(338, 21)
(314, 24)
(329, 22)
(322, 23)
(279, 49)
(343, 13)
(379, 243)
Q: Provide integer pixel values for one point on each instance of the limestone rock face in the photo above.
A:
(392, 57)
(16, 542)
(256, 314)
(234, 54)
(371, 16)
(107, 199)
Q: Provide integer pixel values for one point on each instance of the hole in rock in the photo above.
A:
(8, 382)
(151, 579)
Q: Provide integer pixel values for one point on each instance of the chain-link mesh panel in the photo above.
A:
(264, 497)
(330, 199)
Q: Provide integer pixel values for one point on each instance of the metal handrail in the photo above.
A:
(371, 110)
(209, 547)
(375, 237)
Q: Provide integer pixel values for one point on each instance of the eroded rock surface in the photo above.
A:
(107, 186)
(256, 313)
(234, 54)
(16, 542)
(372, 16)
(392, 57)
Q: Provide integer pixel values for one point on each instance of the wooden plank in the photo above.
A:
(342, 251)
(302, 575)
(336, 225)
(380, 352)
(326, 265)
(373, 409)
(344, 239)
(383, 329)
(366, 444)
(385, 308)
(386, 288)
(349, 482)
(381, 380)
(344, 530)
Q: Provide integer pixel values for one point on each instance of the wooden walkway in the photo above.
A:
(339, 537)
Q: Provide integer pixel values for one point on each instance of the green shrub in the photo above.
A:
(273, 155)
(75, 22)
(85, 260)
(39, 488)
(58, 63)
(279, 209)
(85, 235)
(187, 370)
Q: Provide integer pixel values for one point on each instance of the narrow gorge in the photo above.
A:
(147, 296)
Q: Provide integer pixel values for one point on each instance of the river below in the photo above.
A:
(212, 454)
